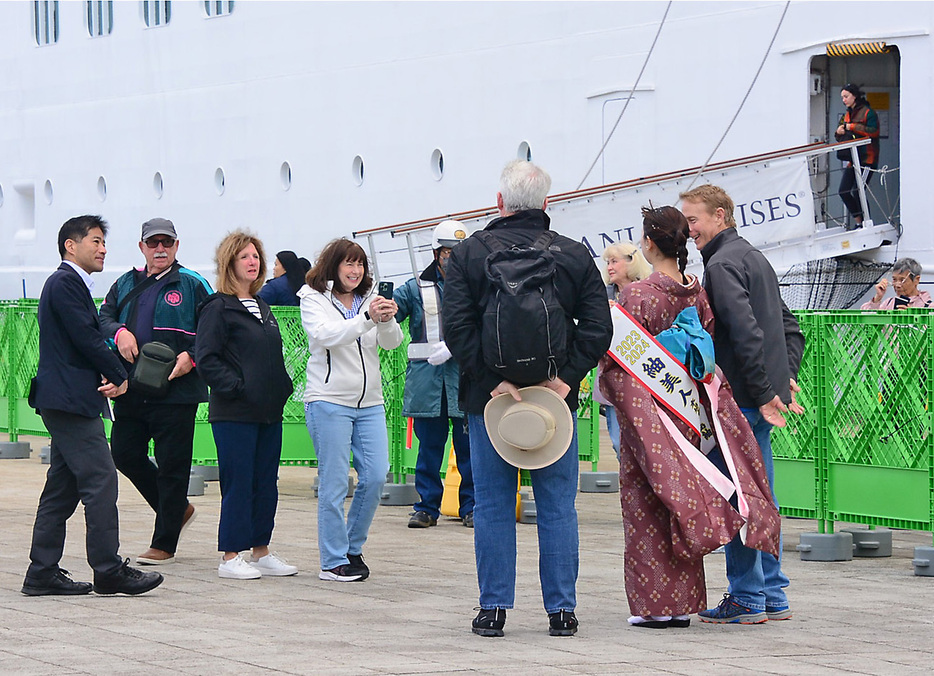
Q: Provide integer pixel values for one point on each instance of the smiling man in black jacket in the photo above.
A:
(758, 345)
(521, 201)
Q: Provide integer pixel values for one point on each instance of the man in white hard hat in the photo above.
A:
(432, 382)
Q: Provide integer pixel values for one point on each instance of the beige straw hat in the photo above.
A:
(532, 433)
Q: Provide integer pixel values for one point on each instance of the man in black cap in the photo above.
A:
(158, 303)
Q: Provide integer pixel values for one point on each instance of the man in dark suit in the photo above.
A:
(77, 374)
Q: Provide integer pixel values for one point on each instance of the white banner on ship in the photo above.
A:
(773, 204)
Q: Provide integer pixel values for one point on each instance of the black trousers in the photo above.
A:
(80, 469)
(172, 428)
(849, 192)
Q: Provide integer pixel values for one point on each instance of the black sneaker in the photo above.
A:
(59, 584)
(489, 622)
(345, 573)
(422, 520)
(468, 520)
(127, 580)
(357, 564)
(562, 623)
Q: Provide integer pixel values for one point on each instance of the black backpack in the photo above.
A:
(523, 332)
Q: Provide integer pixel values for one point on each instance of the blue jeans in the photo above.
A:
(756, 578)
(336, 431)
(555, 487)
(432, 436)
(612, 427)
(248, 466)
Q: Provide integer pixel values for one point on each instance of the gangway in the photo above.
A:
(774, 211)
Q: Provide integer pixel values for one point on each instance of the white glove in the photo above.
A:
(439, 354)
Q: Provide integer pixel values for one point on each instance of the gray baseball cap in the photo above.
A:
(158, 226)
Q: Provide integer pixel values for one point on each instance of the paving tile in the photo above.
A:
(413, 615)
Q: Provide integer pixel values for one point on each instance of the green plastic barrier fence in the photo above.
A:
(862, 453)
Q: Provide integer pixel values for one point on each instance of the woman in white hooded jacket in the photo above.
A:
(345, 322)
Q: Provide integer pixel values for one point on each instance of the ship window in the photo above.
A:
(47, 191)
(285, 175)
(45, 21)
(157, 185)
(1, 195)
(437, 164)
(218, 7)
(157, 12)
(101, 188)
(220, 181)
(524, 152)
(100, 17)
(357, 170)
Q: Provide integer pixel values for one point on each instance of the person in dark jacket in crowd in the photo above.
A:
(158, 302)
(76, 372)
(859, 121)
(239, 355)
(521, 202)
(288, 276)
(758, 346)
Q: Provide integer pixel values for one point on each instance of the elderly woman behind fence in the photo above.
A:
(906, 276)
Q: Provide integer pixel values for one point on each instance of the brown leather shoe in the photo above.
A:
(155, 557)
(188, 517)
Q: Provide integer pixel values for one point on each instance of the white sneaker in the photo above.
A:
(238, 569)
(271, 564)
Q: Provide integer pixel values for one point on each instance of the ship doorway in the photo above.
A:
(878, 75)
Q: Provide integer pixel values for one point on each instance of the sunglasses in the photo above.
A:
(166, 242)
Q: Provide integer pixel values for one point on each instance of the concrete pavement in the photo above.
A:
(866, 616)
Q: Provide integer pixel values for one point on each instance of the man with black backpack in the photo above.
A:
(523, 306)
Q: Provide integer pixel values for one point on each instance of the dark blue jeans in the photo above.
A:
(248, 464)
(432, 436)
(756, 578)
(555, 489)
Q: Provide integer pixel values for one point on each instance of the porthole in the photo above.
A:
(101, 188)
(437, 164)
(285, 175)
(157, 186)
(219, 181)
(1, 195)
(358, 170)
(524, 152)
(47, 190)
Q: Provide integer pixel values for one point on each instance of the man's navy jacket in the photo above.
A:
(72, 353)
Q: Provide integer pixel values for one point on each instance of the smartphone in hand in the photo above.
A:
(901, 301)
(384, 289)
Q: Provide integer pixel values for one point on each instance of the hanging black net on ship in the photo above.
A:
(830, 283)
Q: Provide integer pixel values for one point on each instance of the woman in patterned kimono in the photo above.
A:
(672, 515)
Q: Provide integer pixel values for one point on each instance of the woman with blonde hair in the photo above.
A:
(239, 355)
(624, 264)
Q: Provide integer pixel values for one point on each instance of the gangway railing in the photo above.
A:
(593, 212)
(808, 150)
